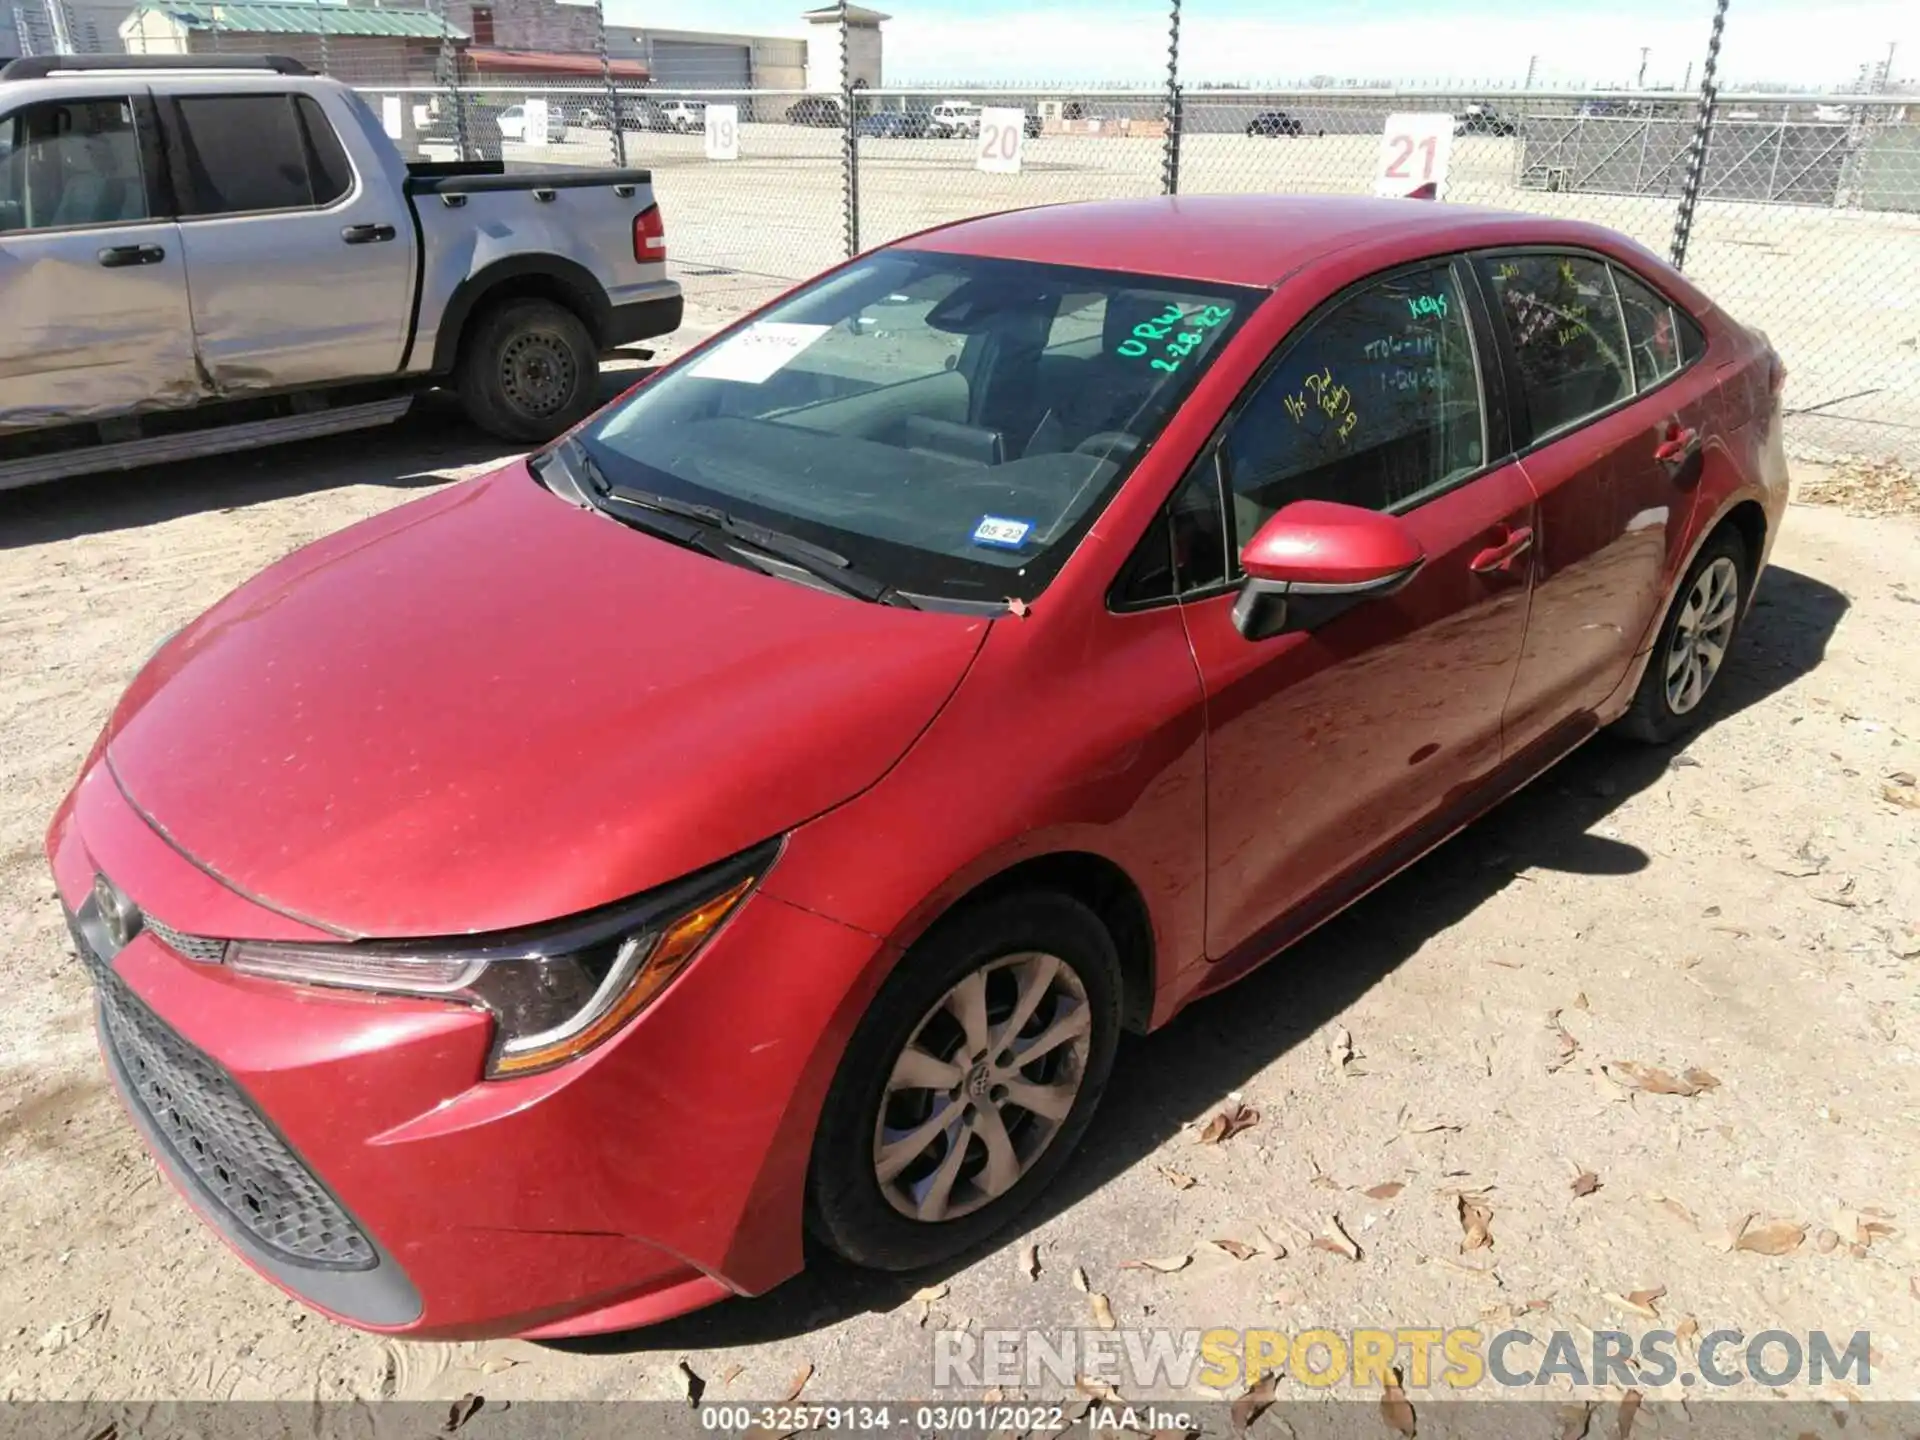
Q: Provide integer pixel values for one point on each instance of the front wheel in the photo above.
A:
(528, 370)
(1693, 642)
(968, 1082)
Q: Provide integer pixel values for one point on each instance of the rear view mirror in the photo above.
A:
(1315, 560)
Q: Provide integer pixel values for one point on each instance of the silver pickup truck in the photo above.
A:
(206, 254)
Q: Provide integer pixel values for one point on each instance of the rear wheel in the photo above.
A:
(1693, 642)
(528, 370)
(968, 1083)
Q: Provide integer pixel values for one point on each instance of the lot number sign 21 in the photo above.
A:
(1413, 157)
(1003, 134)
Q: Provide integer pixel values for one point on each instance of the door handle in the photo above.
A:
(367, 234)
(115, 257)
(1498, 559)
(1678, 447)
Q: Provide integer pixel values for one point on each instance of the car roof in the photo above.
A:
(1247, 239)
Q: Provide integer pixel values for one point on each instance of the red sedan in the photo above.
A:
(533, 909)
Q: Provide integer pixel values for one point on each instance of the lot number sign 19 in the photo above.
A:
(1003, 134)
(723, 132)
(1413, 156)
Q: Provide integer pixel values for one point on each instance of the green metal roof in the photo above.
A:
(271, 17)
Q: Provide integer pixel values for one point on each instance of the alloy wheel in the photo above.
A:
(982, 1087)
(1701, 633)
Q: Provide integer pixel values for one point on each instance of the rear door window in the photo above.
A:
(247, 154)
(1569, 341)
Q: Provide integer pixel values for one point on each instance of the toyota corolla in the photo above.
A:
(534, 910)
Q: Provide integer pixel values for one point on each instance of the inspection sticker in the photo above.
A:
(1001, 533)
(757, 353)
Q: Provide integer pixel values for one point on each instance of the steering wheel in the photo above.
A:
(1108, 444)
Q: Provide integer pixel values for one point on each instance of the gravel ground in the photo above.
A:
(1462, 1040)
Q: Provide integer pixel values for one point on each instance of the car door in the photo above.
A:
(93, 290)
(1614, 422)
(1328, 750)
(300, 261)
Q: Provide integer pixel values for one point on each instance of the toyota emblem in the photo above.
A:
(118, 913)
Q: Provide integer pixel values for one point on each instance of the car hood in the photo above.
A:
(490, 708)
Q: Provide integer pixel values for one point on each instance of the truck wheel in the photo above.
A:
(528, 371)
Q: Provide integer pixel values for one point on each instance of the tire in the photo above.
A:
(1657, 716)
(1009, 941)
(528, 370)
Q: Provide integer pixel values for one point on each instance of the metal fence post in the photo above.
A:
(1170, 155)
(1702, 135)
(449, 78)
(850, 138)
(616, 125)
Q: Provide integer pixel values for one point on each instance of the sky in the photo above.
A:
(1594, 42)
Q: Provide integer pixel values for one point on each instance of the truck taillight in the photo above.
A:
(649, 236)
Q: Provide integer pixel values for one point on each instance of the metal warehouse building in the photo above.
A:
(698, 60)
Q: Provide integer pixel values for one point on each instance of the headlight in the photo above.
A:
(554, 992)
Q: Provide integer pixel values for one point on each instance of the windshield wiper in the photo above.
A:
(815, 560)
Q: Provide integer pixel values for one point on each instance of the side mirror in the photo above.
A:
(1315, 560)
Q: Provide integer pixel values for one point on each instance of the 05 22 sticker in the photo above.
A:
(1001, 533)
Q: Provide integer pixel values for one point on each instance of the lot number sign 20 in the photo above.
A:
(1413, 156)
(1003, 134)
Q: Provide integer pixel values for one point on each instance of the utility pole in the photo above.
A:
(1886, 67)
(1640, 80)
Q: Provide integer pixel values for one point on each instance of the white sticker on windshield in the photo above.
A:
(1001, 533)
(757, 353)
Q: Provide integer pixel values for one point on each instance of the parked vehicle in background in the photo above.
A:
(1273, 123)
(818, 110)
(513, 125)
(759, 814)
(208, 256)
(893, 125)
(1483, 120)
(953, 120)
(683, 117)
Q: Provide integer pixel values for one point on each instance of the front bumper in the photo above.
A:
(661, 1172)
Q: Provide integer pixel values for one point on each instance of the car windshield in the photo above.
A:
(951, 425)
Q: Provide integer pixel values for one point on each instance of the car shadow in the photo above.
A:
(415, 452)
(1217, 1045)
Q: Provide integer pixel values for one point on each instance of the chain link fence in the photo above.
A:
(1799, 213)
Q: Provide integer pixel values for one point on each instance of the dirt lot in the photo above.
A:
(1749, 906)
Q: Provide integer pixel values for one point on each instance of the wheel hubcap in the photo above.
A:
(1700, 637)
(982, 1086)
(537, 374)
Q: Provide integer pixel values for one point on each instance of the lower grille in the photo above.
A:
(216, 1133)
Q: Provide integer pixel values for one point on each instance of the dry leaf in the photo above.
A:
(494, 1364)
(1340, 1049)
(1629, 1407)
(1565, 1046)
(1635, 1076)
(1333, 1238)
(1102, 1312)
(1095, 1389)
(1476, 1225)
(461, 1411)
(1238, 1249)
(1640, 1301)
(1165, 1265)
(1913, 1286)
(1254, 1401)
(1901, 795)
(1394, 1407)
(731, 1374)
(1228, 1123)
(1179, 1179)
(1580, 1001)
(1903, 777)
(1384, 1191)
(1675, 1208)
(1686, 1330)
(1079, 1278)
(1776, 1237)
(1030, 1262)
(1585, 1183)
(691, 1385)
(1862, 1227)
(932, 1292)
(1574, 1420)
(799, 1381)
(1274, 1245)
